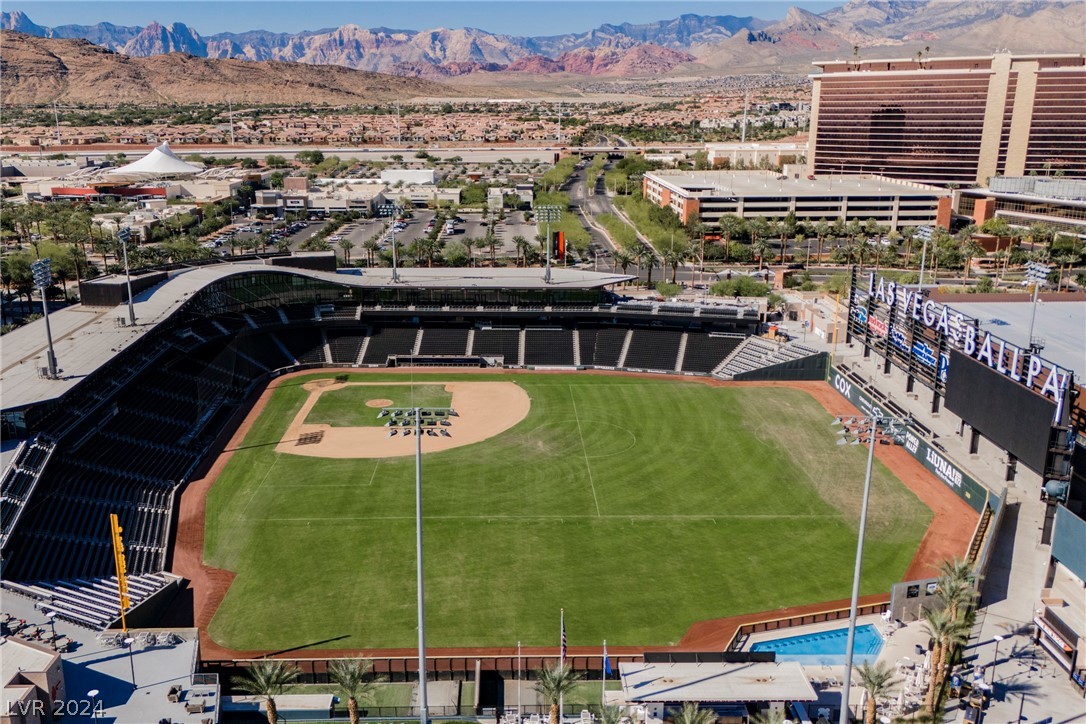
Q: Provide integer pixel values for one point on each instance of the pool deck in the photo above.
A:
(899, 650)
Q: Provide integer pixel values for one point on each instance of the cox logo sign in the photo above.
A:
(842, 385)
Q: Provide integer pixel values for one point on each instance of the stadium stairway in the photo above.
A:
(758, 353)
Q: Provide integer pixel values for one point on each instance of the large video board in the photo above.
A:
(1005, 412)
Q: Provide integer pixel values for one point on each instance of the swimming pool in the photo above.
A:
(826, 647)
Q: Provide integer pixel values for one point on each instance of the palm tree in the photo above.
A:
(350, 675)
(768, 717)
(622, 259)
(822, 229)
(877, 680)
(957, 585)
(673, 257)
(908, 233)
(554, 684)
(947, 634)
(691, 714)
(346, 245)
(371, 246)
(730, 226)
(267, 678)
(610, 714)
(761, 247)
(646, 256)
(522, 245)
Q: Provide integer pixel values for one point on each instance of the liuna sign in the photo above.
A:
(961, 333)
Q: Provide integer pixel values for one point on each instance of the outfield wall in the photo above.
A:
(936, 461)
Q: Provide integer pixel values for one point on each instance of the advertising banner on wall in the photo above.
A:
(965, 486)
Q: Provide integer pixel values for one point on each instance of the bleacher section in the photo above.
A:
(91, 603)
(609, 342)
(587, 345)
(757, 353)
(549, 347)
(498, 342)
(444, 341)
(653, 349)
(389, 340)
(345, 345)
(306, 344)
(20, 478)
(129, 458)
(705, 352)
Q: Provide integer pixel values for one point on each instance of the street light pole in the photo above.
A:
(995, 656)
(132, 665)
(93, 694)
(52, 616)
(125, 235)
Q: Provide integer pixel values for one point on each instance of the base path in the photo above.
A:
(948, 535)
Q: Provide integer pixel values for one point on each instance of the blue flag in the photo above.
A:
(606, 661)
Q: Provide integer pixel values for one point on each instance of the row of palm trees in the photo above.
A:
(948, 626)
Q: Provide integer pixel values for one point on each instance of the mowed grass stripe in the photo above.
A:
(710, 504)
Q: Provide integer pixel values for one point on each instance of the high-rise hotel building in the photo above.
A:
(950, 120)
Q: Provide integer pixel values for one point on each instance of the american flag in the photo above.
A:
(563, 635)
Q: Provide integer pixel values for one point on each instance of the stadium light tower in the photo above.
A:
(43, 277)
(432, 422)
(548, 214)
(866, 429)
(1038, 274)
(393, 210)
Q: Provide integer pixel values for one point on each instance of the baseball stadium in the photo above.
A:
(587, 468)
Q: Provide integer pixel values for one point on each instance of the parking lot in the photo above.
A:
(294, 238)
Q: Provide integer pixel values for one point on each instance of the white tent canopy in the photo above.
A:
(159, 162)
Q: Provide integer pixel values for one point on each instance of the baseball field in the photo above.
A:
(639, 505)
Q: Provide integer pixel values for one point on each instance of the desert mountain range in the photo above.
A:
(39, 70)
(689, 44)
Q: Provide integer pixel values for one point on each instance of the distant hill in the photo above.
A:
(37, 70)
(698, 43)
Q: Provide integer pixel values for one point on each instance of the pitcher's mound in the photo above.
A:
(484, 409)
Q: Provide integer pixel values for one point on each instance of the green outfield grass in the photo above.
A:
(346, 406)
(641, 506)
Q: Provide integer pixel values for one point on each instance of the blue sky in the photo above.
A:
(513, 17)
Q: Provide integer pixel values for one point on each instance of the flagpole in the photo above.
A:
(520, 712)
(603, 679)
(562, 662)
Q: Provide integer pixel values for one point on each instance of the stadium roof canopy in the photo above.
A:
(86, 338)
(159, 162)
(715, 682)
